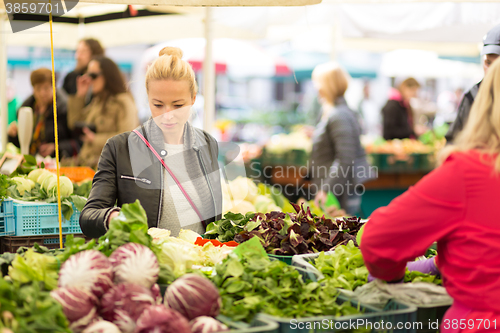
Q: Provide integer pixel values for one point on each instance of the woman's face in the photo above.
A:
(170, 104)
(409, 92)
(43, 93)
(82, 55)
(98, 81)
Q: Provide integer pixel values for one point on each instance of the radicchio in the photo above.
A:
(79, 306)
(102, 326)
(123, 305)
(156, 291)
(206, 324)
(88, 270)
(193, 296)
(159, 319)
(135, 263)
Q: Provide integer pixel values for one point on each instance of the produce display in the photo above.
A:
(286, 234)
(107, 285)
(344, 268)
(398, 147)
(28, 308)
(242, 196)
(296, 140)
(136, 279)
(41, 185)
(249, 283)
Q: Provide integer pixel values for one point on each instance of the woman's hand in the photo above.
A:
(111, 216)
(334, 212)
(12, 130)
(89, 135)
(320, 198)
(83, 85)
(47, 149)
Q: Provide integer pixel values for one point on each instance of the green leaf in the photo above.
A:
(67, 209)
(30, 160)
(234, 268)
(78, 201)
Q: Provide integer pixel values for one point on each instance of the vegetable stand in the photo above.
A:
(248, 282)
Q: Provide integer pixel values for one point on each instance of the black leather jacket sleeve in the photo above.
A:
(102, 196)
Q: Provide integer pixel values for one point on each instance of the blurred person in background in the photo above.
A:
(112, 110)
(490, 52)
(85, 51)
(338, 161)
(397, 114)
(452, 205)
(42, 141)
(369, 113)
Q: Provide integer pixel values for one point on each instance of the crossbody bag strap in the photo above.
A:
(188, 198)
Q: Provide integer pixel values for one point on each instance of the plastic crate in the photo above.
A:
(298, 157)
(7, 221)
(424, 314)
(42, 219)
(76, 174)
(380, 320)
(13, 243)
(258, 325)
(285, 259)
(430, 314)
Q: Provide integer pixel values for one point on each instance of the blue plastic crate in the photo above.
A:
(7, 221)
(33, 218)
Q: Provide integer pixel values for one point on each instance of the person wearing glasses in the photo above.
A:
(112, 110)
(85, 50)
(167, 164)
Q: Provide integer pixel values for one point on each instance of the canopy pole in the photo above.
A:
(3, 80)
(56, 136)
(208, 75)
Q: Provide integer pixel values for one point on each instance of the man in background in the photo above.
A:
(490, 52)
(85, 51)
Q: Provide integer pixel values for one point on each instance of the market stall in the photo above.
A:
(256, 270)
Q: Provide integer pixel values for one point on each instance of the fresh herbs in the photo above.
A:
(226, 229)
(29, 309)
(344, 267)
(131, 225)
(250, 283)
(5, 183)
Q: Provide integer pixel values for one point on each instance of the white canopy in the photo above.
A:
(445, 27)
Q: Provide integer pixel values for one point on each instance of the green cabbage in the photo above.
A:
(23, 184)
(66, 186)
(35, 174)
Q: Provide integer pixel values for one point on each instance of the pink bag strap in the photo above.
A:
(171, 175)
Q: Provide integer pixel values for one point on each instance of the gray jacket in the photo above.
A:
(338, 161)
(462, 113)
(128, 171)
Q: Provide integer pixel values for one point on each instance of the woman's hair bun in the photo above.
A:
(171, 51)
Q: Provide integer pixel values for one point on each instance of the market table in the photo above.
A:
(381, 191)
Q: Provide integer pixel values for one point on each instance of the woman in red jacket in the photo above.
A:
(456, 205)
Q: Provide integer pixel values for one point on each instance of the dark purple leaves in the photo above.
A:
(299, 233)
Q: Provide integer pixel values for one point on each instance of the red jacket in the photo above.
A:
(457, 205)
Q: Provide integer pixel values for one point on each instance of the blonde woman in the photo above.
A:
(170, 166)
(338, 161)
(457, 206)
